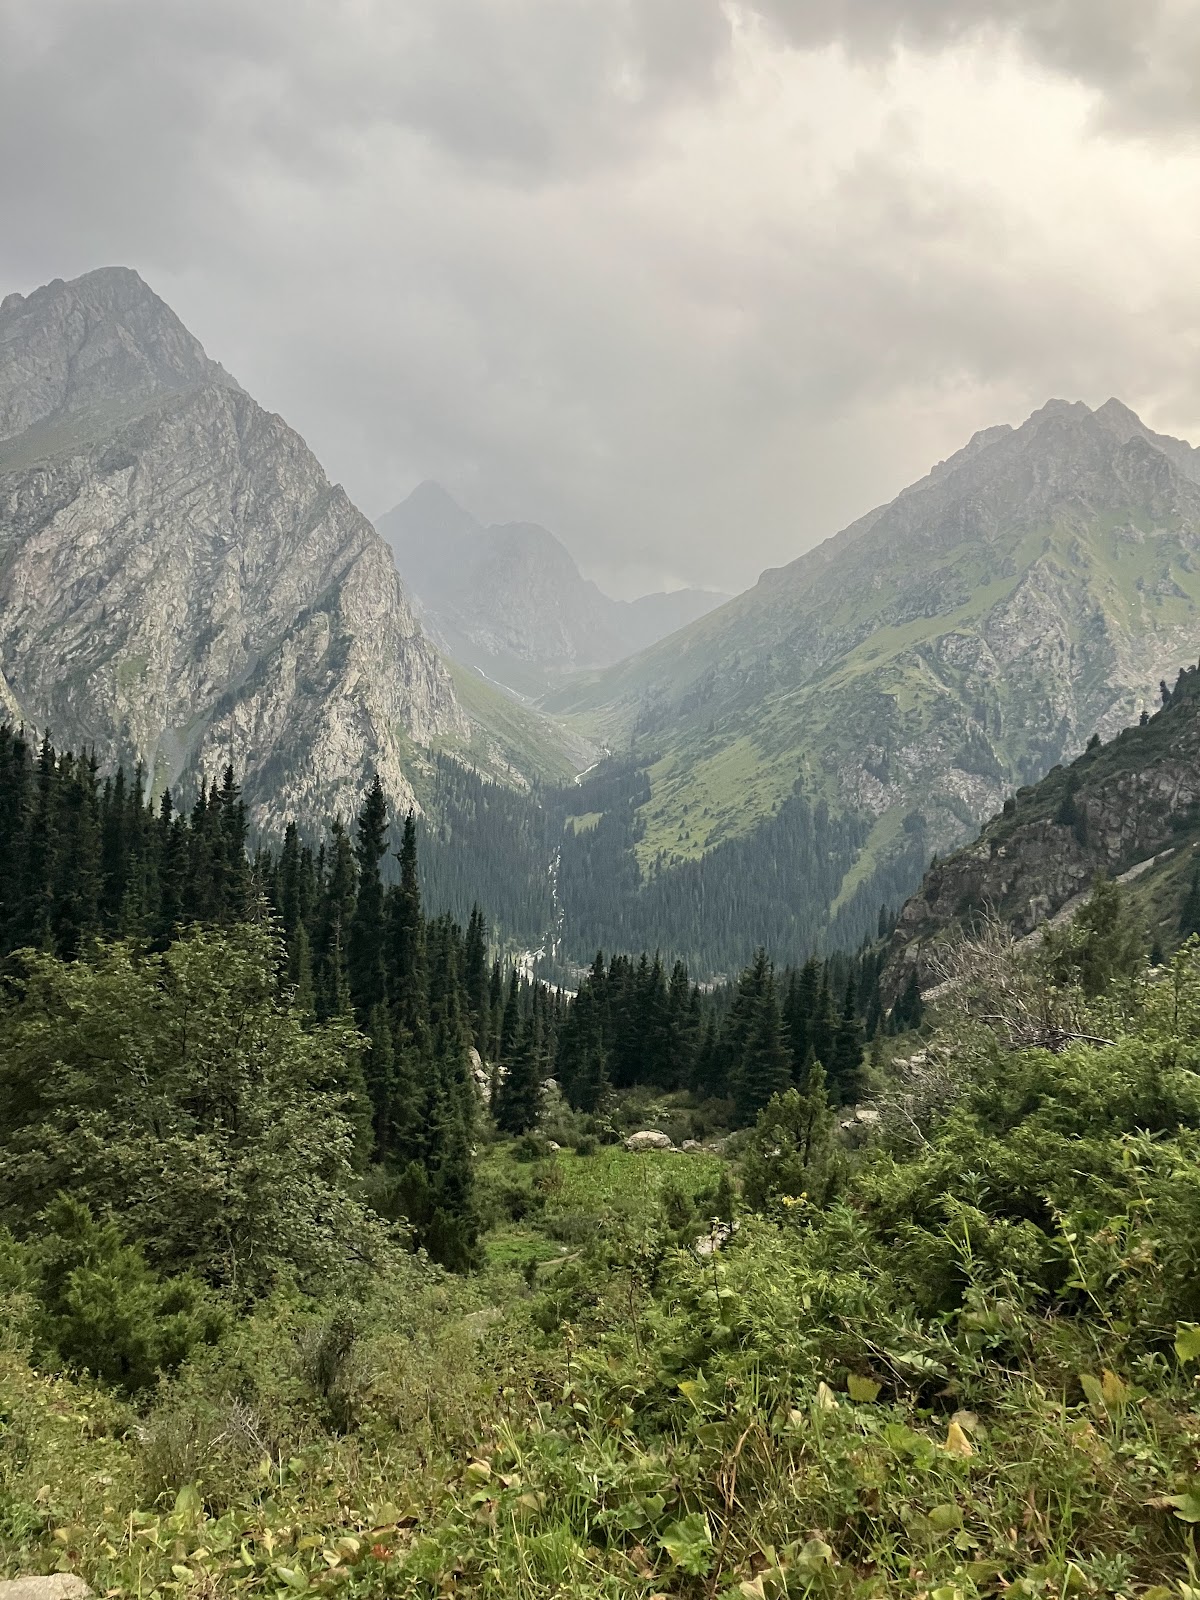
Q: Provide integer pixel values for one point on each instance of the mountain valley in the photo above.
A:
(902, 678)
(510, 601)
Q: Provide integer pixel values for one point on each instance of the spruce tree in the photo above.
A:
(475, 980)
(406, 933)
(847, 1079)
(765, 1065)
(519, 1096)
(366, 935)
(1189, 916)
(333, 923)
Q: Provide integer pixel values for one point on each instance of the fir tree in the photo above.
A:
(1189, 916)
(366, 935)
(765, 1067)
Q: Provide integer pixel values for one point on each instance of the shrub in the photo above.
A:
(102, 1308)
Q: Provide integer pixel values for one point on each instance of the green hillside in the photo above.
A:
(912, 671)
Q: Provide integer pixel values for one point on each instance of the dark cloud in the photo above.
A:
(1142, 56)
(691, 287)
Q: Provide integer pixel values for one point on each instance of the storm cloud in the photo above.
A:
(692, 283)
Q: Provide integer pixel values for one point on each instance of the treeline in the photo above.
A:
(483, 843)
(442, 1034)
(87, 860)
(633, 1023)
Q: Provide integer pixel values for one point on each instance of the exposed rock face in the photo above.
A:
(57, 1586)
(103, 340)
(510, 600)
(1114, 809)
(648, 1139)
(179, 582)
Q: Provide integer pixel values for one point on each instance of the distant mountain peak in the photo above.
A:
(917, 667)
(101, 340)
(431, 498)
(510, 599)
(180, 584)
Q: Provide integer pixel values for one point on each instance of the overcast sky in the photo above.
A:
(692, 283)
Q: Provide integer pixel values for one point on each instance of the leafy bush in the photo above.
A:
(180, 1094)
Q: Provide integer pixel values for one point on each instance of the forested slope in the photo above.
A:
(913, 670)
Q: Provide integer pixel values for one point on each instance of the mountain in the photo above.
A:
(510, 600)
(907, 674)
(181, 585)
(1129, 810)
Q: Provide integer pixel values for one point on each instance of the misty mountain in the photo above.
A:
(510, 600)
(906, 675)
(181, 585)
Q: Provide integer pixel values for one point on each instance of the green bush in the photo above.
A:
(102, 1309)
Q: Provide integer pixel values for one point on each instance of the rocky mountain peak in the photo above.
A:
(510, 599)
(101, 341)
(180, 583)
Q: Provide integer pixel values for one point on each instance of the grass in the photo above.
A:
(508, 737)
(762, 693)
(584, 823)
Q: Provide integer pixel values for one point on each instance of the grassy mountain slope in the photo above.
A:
(1028, 592)
(511, 742)
(1129, 809)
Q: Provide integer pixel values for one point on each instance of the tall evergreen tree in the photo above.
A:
(764, 1067)
(847, 1079)
(366, 942)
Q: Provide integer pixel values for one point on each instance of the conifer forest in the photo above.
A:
(341, 1253)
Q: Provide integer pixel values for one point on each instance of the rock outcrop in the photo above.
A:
(1120, 809)
(648, 1139)
(180, 584)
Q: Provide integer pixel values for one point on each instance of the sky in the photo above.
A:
(692, 283)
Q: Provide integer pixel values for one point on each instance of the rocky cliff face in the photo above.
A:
(1125, 808)
(103, 340)
(510, 599)
(180, 584)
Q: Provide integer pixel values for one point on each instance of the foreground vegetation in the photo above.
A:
(958, 1357)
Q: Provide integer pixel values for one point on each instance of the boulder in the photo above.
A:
(58, 1586)
(648, 1139)
(479, 1072)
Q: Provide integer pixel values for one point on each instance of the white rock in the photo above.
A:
(648, 1139)
(58, 1586)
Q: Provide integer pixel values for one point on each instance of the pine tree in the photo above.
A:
(765, 1065)
(366, 934)
(847, 1080)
